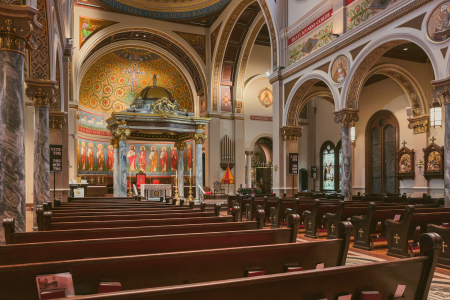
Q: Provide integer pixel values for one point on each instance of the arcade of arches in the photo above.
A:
(358, 88)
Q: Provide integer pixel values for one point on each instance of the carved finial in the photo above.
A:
(432, 139)
(155, 79)
(404, 143)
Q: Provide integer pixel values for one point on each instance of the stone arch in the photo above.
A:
(257, 137)
(298, 97)
(363, 64)
(273, 32)
(407, 82)
(184, 55)
(122, 44)
(245, 55)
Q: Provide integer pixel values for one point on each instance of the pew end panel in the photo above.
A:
(236, 213)
(293, 222)
(397, 234)
(345, 229)
(444, 254)
(9, 227)
(217, 208)
(361, 228)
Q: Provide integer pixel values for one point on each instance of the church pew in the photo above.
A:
(78, 249)
(398, 233)
(415, 273)
(444, 254)
(255, 204)
(169, 269)
(373, 223)
(74, 199)
(345, 211)
(13, 237)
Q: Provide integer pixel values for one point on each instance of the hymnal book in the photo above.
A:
(109, 287)
(345, 297)
(320, 266)
(400, 291)
(53, 294)
(52, 282)
(370, 295)
(397, 218)
(255, 273)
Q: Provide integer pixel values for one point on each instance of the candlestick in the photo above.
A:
(190, 189)
(176, 190)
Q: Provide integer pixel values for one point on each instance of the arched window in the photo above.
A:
(381, 149)
(327, 167)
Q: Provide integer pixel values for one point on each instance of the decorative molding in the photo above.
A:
(419, 124)
(200, 138)
(122, 134)
(17, 25)
(297, 102)
(57, 119)
(347, 117)
(291, 133)
(40, 91)
(40, 58)
(441, 89)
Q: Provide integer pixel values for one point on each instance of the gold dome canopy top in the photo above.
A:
(154, 92)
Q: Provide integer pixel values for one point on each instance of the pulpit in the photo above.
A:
(78, 188)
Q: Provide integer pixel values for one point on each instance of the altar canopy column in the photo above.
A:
(120, 183)
(199, 140)
(41, 92)
(20, 23)
(180, 168)
(347, 118)
(290, 137)
(115, 144)
(249, 168)
(441, 92)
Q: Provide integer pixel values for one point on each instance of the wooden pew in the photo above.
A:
(444, 254)
(412, 225)
(373, 223)
(416, 273)
(169, 269)
(78, 249)
(85, 199)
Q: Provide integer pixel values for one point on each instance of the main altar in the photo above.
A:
(155, 191)
(156, 116)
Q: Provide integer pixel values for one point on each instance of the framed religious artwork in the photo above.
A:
(438, 24)
(433, 161)
(339, 69)
(265, 97)
(405, 163)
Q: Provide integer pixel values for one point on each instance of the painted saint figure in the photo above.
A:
(110, 158)
(173, 158)
(340, 73)
(83, 155)
(163, 159)
(142, 159)
(153, 159)
(90, 155)
(132, 158)
(189, 156)
(100, 157)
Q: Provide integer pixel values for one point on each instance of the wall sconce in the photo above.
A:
(335, 35)
(436, 113)
(353, 134)
(69, 41)
(419, 164)
(275, 168)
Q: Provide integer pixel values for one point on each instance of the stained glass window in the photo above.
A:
(328, 160)
(340, 168)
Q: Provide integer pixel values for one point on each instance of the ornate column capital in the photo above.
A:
(57, 119)
(40, 91)
(122, 134)
(249, 153)
(17, 23)
(291, 133)
(115, 143)
(419, 124)
(180, 145)
(441, 90)
(347, 117)
(200, 138)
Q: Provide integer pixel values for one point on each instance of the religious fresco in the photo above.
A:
(339, 69)
(265, 98)
(405, 165)
(214, 36)
(362, 10)
(438, 26)
(88, 26)
(226, 103)
(196, 41)
(97, 157)
(113, 81)
(434, 162)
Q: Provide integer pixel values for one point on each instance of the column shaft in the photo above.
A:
(198, 168)
(41, 185)
(122, 174)
(346, 164)
(116, 172)
(447, 157)
(249, 169)
(180, 174)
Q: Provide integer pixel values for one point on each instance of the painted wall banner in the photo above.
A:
(293, 163)
(55, 158)
(261, 118)
(311, 27)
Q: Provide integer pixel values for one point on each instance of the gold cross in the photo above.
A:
(360, 232)
(432, 139)
(404, 143)
(396, 237)
(332, 227)
(443, 247)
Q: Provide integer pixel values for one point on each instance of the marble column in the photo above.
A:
(41, 92)
(347, 118)
(442, 93)
(20, 25)
(115, 145)
(180, 168)
(120, 180)
(249, 168)
(199, 140)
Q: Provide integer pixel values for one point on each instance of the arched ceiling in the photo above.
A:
(203, 12)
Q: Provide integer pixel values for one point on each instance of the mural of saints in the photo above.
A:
(132, 158)
(110, 158)
(90, 156)
(405, 164)
(434, 162)
(100, 157)
(78, 152)
(173, 158)
(189, 157)
(83, 155)
(142, 159)
(153, 159)
(163, 159)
